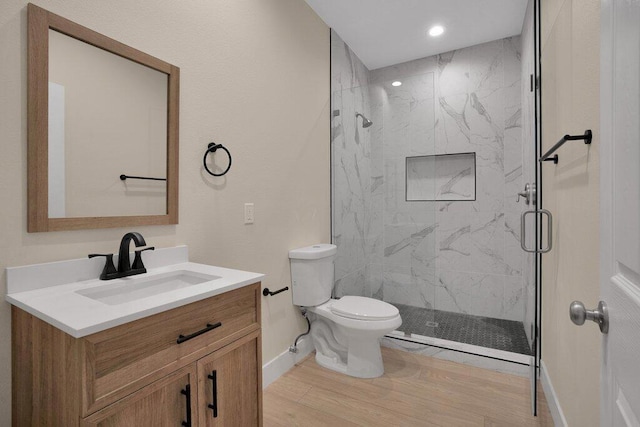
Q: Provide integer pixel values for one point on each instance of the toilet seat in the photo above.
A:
(363, 308)
(363, 325)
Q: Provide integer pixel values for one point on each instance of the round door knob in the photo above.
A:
(577, 313)
(600, 315)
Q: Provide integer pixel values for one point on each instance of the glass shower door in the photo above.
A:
(531, 223)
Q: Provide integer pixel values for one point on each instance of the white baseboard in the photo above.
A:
(273, 369)
(552, 398)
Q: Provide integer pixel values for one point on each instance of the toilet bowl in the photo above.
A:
(346, 332)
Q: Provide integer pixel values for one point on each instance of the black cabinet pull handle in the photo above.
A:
(209, 327)
(214, 387)
(187, 392)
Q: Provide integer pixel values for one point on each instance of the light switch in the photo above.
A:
(248, 213)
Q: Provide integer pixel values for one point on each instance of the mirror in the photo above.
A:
(103, 130)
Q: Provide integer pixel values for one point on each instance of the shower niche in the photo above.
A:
(441, 177)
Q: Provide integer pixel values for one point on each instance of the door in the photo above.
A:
(620, 210)
(168, 402)
(229, 385)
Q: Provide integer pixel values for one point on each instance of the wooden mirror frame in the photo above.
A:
(40, 21)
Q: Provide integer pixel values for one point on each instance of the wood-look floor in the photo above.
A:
(414, 391)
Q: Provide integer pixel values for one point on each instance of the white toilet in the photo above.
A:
(346, 332)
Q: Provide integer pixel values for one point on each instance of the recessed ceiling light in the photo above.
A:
(436, 30)
(396, 83)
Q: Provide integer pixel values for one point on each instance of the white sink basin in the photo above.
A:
(69, 296)
(137, 287)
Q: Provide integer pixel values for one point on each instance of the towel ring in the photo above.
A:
(212, 148)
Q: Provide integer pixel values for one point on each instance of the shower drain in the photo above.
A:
(432, 324)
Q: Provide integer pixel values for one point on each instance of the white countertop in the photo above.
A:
(63, 307)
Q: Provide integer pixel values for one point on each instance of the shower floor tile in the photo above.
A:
(507, 335)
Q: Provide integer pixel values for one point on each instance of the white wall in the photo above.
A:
(254, 76)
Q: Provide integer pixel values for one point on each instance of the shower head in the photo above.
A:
(365, 122)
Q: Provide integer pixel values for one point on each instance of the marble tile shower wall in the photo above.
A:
(461, 256)
(356, 195)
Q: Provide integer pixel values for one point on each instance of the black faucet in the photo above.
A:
(124, 262)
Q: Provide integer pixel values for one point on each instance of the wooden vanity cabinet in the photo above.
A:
(137, 374)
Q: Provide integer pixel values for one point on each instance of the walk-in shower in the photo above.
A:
(425, 208)
(424, 202)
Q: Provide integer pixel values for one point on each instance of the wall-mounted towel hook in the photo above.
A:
(212, 148)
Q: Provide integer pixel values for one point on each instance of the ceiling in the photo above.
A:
(387, 32)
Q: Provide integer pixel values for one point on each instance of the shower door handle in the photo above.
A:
(523, 231)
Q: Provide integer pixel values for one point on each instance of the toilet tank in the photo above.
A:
(312, 274)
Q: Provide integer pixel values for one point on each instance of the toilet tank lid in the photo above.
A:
(318, 251)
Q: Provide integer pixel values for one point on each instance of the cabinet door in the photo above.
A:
(230, 385)
(167, 402)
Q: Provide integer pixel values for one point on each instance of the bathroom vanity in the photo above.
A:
(180, 345)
